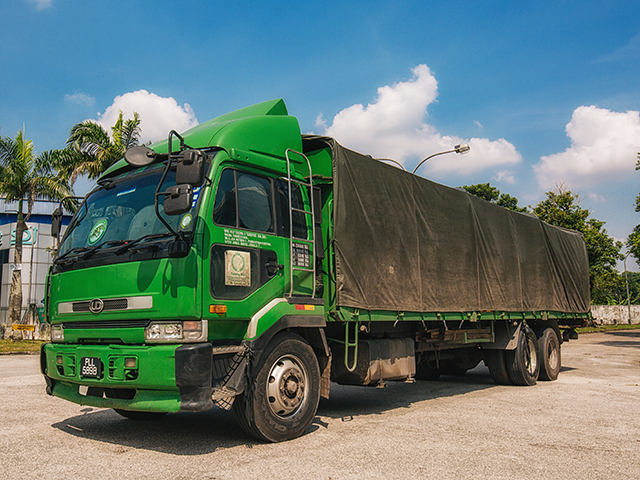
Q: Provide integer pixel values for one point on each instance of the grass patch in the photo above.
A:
(20, 346)
(608, 328)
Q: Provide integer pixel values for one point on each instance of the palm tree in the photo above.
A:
(90, 150)
(26, 177)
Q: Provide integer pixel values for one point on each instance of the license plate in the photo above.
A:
(90, 367)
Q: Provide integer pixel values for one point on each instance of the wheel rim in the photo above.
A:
(286, 386)
(552, 357)
(531, 357)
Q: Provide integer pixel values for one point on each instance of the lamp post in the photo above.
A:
(457, 149)
(626, 279)
(392, 161)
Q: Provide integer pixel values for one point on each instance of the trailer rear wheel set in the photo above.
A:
(535, 357)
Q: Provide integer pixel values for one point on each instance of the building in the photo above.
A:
(37, 253)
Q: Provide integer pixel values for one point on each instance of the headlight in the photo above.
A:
(57, 333)
(176, 332)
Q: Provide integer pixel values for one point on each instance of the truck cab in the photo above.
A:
(187, 256)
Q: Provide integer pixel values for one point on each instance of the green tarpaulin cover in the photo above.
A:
(405, 243)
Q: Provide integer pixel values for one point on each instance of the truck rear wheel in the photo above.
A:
(550, 355)
(283, 397)
(523, 362)
(497, 365)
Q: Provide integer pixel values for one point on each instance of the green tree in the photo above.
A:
(24, 178)
(90, 150)
(633, 240)
(492, 194)
(562, 208)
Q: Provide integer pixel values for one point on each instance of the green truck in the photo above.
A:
(245, 265)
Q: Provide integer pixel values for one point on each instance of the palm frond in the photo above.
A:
(87, 132)
(130, 133)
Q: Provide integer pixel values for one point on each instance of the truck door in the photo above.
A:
(248, 263)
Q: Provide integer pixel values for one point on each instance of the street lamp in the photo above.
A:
(626, 278)
(457, 149)
(392, 161)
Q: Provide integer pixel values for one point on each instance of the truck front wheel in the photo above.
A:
(283, 397)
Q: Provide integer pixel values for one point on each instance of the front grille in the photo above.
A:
(107, 324)
(109, 305)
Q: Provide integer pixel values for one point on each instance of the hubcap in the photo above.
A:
(286, 388)
(553, 356)
(532, 358)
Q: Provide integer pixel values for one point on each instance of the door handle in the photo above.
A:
(273, 267)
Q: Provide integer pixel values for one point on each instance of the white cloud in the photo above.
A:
(158, 115)
(42, 4)
(80, 98)
(504, 176)
(394, 126)
(604, 146)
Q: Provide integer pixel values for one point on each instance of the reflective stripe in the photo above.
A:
(252, 329)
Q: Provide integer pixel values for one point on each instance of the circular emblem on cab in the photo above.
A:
(96, 305)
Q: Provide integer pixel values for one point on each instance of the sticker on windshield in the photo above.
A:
(196, 194)
(186, 221)
(131, 190)
(97, 231)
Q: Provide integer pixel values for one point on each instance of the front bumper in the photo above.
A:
(163, 378)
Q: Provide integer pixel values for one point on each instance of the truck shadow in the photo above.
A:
(181, 433)
(206, 432)
(347, 402)
(622, 338)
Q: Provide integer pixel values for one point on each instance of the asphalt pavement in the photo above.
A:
(585, 425)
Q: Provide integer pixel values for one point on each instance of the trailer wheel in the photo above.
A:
(284, 393)
(523, 362)
(135, 415)
(497, 365)
(550, 355)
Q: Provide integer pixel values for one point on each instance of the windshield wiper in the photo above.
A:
(152, 236)
(89, 253)
(73, 250)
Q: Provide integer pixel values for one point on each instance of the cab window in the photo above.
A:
(244, 200)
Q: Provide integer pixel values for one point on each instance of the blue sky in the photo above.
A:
(544, 92)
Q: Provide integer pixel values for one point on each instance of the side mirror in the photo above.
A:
(56, 223)
(178, 199)
(190, 168)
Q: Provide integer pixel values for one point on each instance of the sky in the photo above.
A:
(546, 93)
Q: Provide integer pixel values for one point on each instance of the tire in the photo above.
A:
(497, 365)
(549, 352)
(139, 416)
(523, 362)
(282, 399)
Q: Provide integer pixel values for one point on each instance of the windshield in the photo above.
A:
(123, 210)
